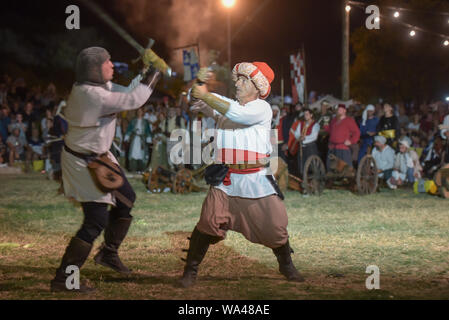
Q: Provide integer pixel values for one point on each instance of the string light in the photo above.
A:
(414, 29)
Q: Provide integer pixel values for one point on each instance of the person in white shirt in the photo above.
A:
(302, 139)
(384, 156)
(138, 134)
(406, 165)
(243, 196)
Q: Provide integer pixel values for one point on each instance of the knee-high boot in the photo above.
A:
(75, 254)
(114, 234)
(199, 244)
(286, 266)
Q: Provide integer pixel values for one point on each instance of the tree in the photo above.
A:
(392, 66)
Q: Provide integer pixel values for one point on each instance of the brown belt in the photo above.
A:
(243, 166)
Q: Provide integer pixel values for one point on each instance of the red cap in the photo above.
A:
(266, 70)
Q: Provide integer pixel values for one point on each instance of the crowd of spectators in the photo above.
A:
(407, 142)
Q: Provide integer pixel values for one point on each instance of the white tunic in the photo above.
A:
(136, 149)
(253, 135)
(90, 113)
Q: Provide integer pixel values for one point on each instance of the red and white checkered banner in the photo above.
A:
(297, 73)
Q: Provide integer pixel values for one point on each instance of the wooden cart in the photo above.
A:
(340, 175)
(183, 181)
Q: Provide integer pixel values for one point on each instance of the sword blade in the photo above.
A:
(109, 21)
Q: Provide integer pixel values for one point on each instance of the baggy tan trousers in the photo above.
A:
(263, 221)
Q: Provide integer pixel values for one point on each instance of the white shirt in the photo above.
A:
(385, 158)
(311, 137)
(90, 113)
(253, 136)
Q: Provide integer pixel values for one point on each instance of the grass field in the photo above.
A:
(335, 237)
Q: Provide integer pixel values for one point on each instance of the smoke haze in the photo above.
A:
(177, 23)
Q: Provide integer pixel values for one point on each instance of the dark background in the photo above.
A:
(41, 41)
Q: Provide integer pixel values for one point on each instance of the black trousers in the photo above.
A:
(97, 215)
(308, 150)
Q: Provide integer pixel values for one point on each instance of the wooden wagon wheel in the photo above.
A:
(153, 182)
(314, 175)
(182, 182)
(367, 176)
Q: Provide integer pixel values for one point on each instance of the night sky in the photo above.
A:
(278, 29)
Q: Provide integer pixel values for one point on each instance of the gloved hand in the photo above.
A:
(198, 91)
(204, 75)
(150, 57)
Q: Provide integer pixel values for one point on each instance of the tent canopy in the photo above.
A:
(332, 101)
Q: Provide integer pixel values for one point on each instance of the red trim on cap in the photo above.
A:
(254, 72)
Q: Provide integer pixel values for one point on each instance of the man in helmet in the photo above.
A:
(91, 115)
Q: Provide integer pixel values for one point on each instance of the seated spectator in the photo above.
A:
(17, 146)
(29, 118)
(36, 144)
(406, 166)
(426, 124)
(415, 125)
(445, 128)
(46, 124)
(384, 156)
(19, 124)
(402, 116)
(432, 157)
(367, 130)
(3, 155)
(5, 121)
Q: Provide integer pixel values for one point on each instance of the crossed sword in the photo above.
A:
(122, 33)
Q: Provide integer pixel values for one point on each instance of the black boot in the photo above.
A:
(199, 243)
(286, 266)
(114, 234)
(75, 254)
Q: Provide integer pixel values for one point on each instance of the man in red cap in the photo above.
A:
(343, 132)
(243, 196)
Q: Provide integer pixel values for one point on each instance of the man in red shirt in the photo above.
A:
(343, 132)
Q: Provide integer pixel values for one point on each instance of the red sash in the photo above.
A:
(227, 179)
